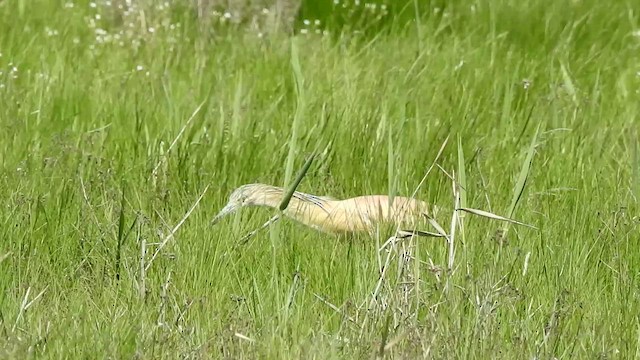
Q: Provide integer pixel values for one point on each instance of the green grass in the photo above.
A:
(86, 123)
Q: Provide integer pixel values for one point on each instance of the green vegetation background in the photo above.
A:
(92, 97)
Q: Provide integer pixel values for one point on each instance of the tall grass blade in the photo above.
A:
(568, 84)
(385, 335)
(236, 115)
(300, 108)
(522, 179)
(462, 177)
(120, 237)
(390, 160)
(635, 164)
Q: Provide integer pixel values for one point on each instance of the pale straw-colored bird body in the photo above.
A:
(326, 214)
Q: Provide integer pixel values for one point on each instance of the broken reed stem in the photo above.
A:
(173, 231)
(383, 272)
(143, 253)
(246, 238)
(26, 304)
(97, 223)
(433, 164)
(23, 306)
(244, 337)
(493, 216)
(454, 218)
(337, 309)
(184, 127)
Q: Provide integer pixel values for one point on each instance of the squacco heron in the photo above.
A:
(329, 215)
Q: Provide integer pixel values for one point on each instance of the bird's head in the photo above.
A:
(245, 195)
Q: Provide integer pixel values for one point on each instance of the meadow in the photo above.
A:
(125, 128)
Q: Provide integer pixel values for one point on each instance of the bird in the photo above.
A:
(327, 214)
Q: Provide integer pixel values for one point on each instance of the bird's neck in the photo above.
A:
(271, 197)
(300, 206)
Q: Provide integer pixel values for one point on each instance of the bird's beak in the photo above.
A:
(228, 209)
